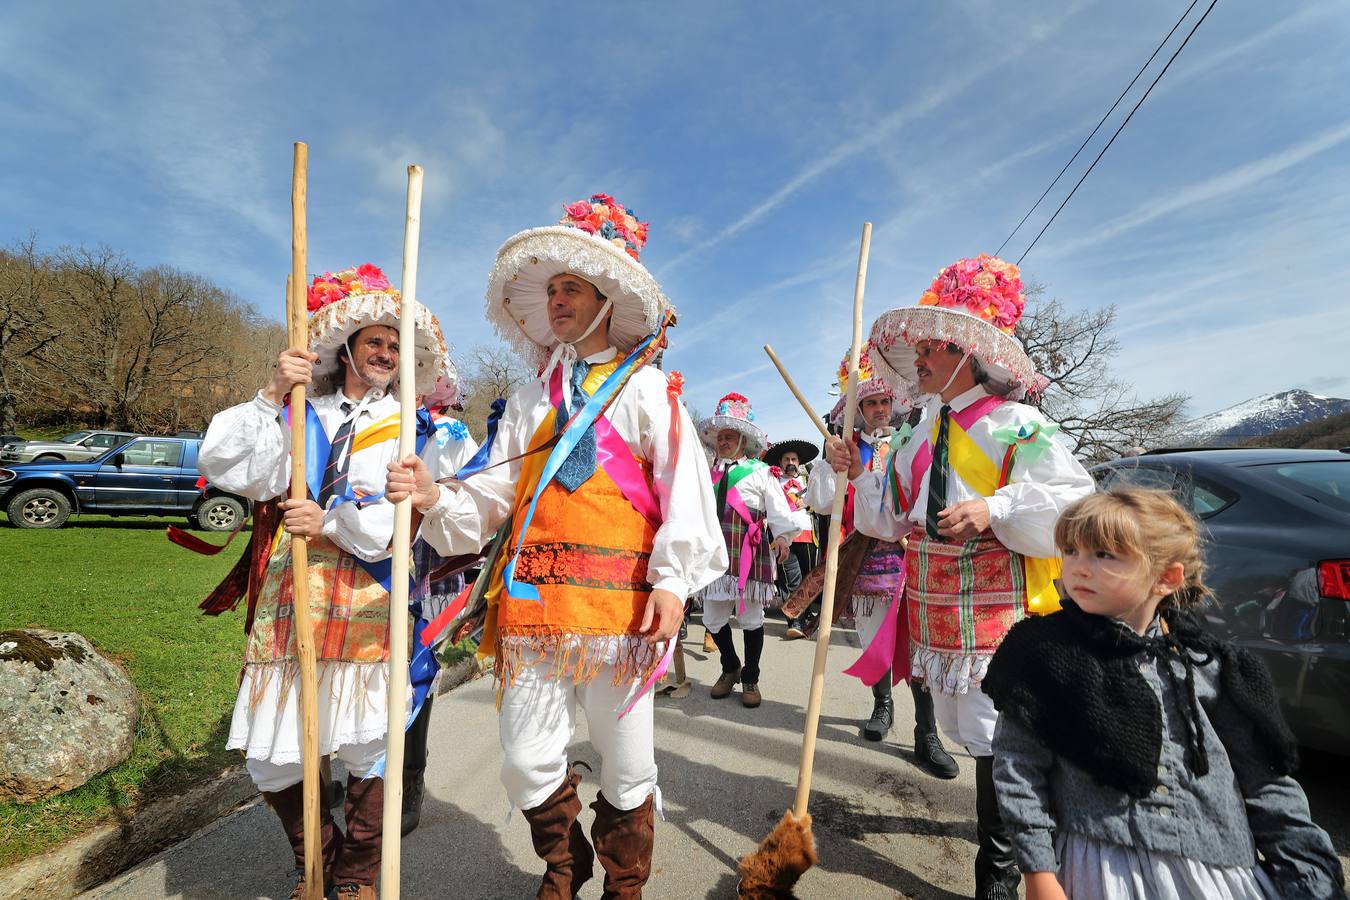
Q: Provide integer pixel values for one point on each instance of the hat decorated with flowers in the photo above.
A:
(974, 304)
(599, 240)
(869, 385)
(342, 303)
(734, 412)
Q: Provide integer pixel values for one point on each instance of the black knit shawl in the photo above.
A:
(1074, 679)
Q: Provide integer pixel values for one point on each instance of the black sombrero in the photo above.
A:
(805, 450)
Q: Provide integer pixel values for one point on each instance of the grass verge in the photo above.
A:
(122, 585)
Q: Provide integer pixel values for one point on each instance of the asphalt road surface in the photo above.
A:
(883, 828)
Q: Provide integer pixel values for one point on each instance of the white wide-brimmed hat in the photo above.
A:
(974, 304)
(870, 384)
(598, 240)
(734, 412)
(343, 303)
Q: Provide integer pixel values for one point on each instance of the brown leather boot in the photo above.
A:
(359, 863)
(623, 841)
(560, 841)
(289, 805)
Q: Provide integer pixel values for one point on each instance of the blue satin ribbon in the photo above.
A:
(567, 441)
(480, 459)
(865, 451)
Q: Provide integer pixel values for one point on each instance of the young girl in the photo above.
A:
(1135, 755)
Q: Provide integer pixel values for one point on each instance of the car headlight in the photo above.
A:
(6, 475)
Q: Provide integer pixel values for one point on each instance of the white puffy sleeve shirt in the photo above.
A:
(1022, 513)
(688, 551)
(819, 496)
(761, 490)
(247, 451)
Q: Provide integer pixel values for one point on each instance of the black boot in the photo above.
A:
(996, 875)
(928, 749)
(883, 710)
(415, 767)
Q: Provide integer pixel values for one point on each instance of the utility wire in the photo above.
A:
(1156, 51)
(1194, 28)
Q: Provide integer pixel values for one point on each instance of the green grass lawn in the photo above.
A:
(121, 584)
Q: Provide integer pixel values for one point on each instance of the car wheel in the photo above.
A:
(220, 514)
(39, 508)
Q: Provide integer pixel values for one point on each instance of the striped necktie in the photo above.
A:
(579, 465)
(937, 477)
(335, 473)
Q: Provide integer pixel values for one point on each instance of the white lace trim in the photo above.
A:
(895, 333)
(949, 673)
(331, 325)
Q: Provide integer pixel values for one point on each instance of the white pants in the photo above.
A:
(538, 720)
(358, 759)
(717, 613)
(967, 719)
(870, 624)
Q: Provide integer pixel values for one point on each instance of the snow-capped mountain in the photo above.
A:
(1260, 416)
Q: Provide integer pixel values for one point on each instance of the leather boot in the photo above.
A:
(928, 749)
(359, 863)
(289, 805)
(883, 710)
(415, 767)
(996, 875)
(560, 841)
(623, 841)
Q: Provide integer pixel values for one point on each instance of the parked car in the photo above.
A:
(147, 476)
(7, 439)
(75, 447)
(1278, 523)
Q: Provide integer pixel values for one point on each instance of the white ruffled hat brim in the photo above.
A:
(517, 302)
(330, 326)
(895, 333)
(756, 441)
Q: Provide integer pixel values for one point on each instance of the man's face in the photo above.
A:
(935, 362)
(876, 412)
(789, 463)
(573, 303)
(374, 355)
(729, 443)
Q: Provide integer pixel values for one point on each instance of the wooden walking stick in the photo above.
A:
(390, 859)
(792, 386)
(789, 850)
(298, 330)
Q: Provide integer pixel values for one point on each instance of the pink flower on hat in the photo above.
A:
(987, 287)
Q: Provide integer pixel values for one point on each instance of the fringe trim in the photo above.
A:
(949, 673)
(288, 670)
(863, 605)
(580, 657)
(728, 587)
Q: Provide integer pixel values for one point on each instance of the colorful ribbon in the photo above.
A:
(657, 674)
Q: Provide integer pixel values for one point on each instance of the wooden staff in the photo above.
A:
(789, 850)
(390, 861)
(298, 329)
(792, 386)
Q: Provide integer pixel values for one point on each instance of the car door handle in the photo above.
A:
(168, 478)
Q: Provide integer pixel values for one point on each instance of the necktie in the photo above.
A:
(335, 473)
(937, 476)
(580, 463)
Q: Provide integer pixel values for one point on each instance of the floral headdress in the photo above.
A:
(363, 279)
(734, 412)
(607, 218)
(986, 286)
(736, 406)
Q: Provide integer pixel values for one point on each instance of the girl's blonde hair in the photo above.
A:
(1140, 524)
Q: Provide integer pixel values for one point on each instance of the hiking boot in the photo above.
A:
(709, 645)
(932, 756)
(350, 890)
(722, 687)
(750, 697)
(879, 725)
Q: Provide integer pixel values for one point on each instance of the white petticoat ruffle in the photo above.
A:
(353, 709)
(727, 587)
(949, 673)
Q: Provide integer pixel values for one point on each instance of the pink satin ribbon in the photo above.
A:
(965, 418)
(754, 536)
(657, 674)
(891, 643)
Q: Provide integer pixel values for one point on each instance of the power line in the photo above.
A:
(1156, 51)
(1190, 35)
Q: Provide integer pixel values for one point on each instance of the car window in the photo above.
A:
(105, 441)
(1208, 498)
(1134, 475)
(74, 437)
(152, 453)
(1326, 481)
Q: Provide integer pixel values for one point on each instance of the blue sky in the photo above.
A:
(755, 137)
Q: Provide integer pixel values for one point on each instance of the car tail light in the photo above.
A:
(1333, 577)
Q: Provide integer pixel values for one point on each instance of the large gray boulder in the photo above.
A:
(67, 713)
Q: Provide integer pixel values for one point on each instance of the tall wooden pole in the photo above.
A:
(832, 547)
(390, 860)
(298, 327)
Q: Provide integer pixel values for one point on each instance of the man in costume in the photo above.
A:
(597, 478)
(872, 570)
(352, 434)
(787, 460)
(976, 491)
(749, 500)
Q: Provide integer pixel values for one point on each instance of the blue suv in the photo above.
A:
(147, 476)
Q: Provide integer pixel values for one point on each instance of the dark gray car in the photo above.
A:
(1279, 564)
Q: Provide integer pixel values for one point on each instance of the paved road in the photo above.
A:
(883, 828)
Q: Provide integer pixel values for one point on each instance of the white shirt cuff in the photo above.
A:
(677, 586)
(266, 405)
(999, 507)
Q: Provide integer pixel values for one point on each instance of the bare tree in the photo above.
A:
(28, 328)
(492, 373)
(1099, 413)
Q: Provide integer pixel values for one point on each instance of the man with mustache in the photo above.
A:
(787, 460)
(975, 493)
(352, 427)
